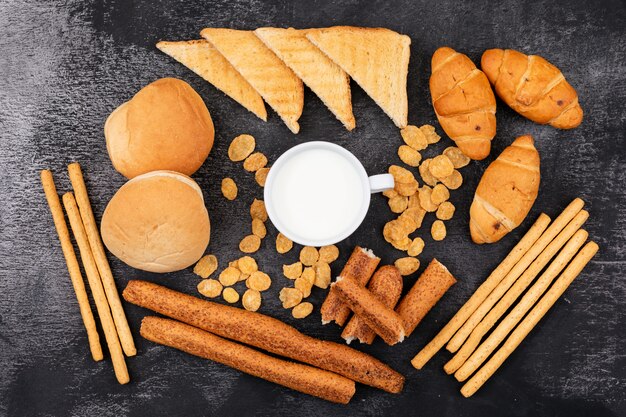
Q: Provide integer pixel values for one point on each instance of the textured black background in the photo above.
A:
(65, 65)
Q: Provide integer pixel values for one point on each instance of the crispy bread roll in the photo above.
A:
(165, 126)
(157, 222)
(533, 87)
(464, 102)
(506, 192)
(303, 378)
(265, 333)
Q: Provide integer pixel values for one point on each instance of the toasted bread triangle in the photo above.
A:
(265, 72)
(203, 59)
(376, 58)
(319, 73)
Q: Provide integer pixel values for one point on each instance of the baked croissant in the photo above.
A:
(464, 102)
(506, 192)
(533, 87)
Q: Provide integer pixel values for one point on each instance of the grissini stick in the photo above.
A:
(554, 229)
(425, 293)
(265, 333)
(531, 320)
(481, 293)
(361, 266)
(97, 248)
(380, 318)
(303, 378)
(99, 297)
(528, 300)
(516, 290)
(386, 285)
(72, 264)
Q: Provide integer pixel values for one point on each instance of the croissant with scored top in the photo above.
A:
(464, 102)
(533, 87)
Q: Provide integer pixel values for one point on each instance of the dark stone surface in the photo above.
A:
(67, 64)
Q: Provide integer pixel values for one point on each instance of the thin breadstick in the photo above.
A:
(303, 378)
(548, 236)
(72, 264)
(99, 297)
(531, 320)
(528, 300)
(516, 290)
(97, 248)
(481, 293)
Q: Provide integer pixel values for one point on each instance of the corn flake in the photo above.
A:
(229, 276)
(250, 244)
(283, 243)
(210, 288)
(302, 310)
(440, 194)
(328, 253)
(438, 230)
(407, 266)
(414, 137)
(251, 300)
(309, 274)
(290, 297)
(322, 275)
(441, 166)
(304, 285)
(293, 270)
(458, 158)
(241, 147)
(247, 265)
(206, 266)
(445, 211)
(259, 281)
(453, 181)
(229, 189)
(258, 211)
(258, 228)
(255, 162)
(260, 176)
(230, 295)
(398, 204)
(309, 255)
(427, 177)
(430, 134)
(409, 156)
(416, 247)
(425, 196)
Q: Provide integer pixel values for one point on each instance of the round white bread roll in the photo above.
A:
(165, 126)
(157, 222)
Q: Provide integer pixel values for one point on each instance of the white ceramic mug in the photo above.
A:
(318, 193)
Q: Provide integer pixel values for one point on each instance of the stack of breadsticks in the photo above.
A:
(557, 246)
(202, 328)
(373, 301)
(99, 276)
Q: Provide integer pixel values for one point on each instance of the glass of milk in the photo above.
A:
(318, 193)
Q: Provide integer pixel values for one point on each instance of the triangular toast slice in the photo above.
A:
(319, 73)
(376, 58)
(265, 72)
(203, 59)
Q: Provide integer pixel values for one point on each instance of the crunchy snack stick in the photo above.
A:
(427, 290)
(380, 318)
(361, 265)
(264, 332)
(531, 320)
(303, 378)
(386, 285)
(72, 264)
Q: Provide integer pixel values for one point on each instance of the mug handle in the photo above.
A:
(381, 182)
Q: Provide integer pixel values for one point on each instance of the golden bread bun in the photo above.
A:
(157, 222)
(165, 126)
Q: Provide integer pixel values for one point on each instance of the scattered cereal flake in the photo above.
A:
(441, 166)
(247, 265)
(243, 277)
(241, 147)
(234, 264)
(261, 176)
(251, 300)
(430, 134)
(309, 255)
(390, 193)
(293, 270)
(407, 266)
(230, 295)
(329, 253)
(438, 230)
(458, 158)
(258, 211)
(427, 177)
(414, 137)
(258, 228)
(409, 156)
(309, 274)
(322, 275)
(283, 243)
(229, 276)
(302, 310)
(250, 244)
(398, 204)
(408, 224)
(206, 266)
(393, 230)
(425, 195)
(229, 188)
(453, 181)
(255, 162)
(415, 213)
(210, 288)
(401, 175)
(290, 297)
(259, 281)
(440, 194)
(304, 285)
(407, 189)
(445, 211)
(402, 244)
(416, 247)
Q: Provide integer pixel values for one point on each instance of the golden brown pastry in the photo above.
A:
(533, 87)
(464, 102)
(506, 192)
